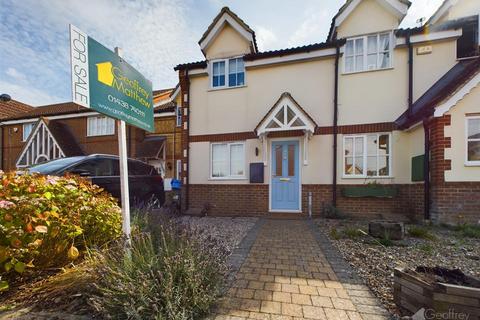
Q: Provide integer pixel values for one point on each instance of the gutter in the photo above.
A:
(335, 128)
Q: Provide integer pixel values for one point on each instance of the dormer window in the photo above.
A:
(370, 52)
(234, 68)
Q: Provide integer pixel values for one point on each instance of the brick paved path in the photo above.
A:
(286, 276)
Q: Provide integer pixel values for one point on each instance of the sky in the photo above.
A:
(155, 35)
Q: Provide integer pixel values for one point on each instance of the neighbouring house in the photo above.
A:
(38, 134)
(375, 121)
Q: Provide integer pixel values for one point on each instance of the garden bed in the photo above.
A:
(375, 260)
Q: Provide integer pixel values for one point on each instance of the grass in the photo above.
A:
(334, 234)
(421, 233)
(427, 248)
(348, 232)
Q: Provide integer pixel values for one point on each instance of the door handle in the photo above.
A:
(285, 179)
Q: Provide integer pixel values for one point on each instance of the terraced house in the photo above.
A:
(31, 135)
(376, 120)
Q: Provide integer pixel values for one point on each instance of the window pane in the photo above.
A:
(278, 161)
(240, 66)
(348, 165)
(232, 66)
(221, 80)
(358, 46)
(240, 79)
(372, 166)
(359, 165)
(291, 160)
(348, 146)
(349, 64)
(372, 44)
(372, 61)
(385, 42)
(384, 144)
(358, 63)
(219, 160)
(383, 167)
(359, 146)
(474, 151)
(372, 145)
(473, 128)
(349, 48)
(232, 80)
(236, 160)
(384, 60)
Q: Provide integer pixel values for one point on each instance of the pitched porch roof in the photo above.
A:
(286, 115)
(450, 85)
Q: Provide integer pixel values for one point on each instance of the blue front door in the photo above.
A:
(285, 176)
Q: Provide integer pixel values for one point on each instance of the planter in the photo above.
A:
(376, 191)
(412, 293)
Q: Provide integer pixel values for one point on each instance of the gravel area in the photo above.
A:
(375, 262)
(229, 230)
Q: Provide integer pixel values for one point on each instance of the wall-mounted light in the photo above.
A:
(256, 151)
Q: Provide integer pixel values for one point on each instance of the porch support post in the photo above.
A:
(263, 138)
(306, 138)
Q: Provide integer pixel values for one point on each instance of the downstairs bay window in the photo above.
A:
(367, 155)
(227, 160)
(473, 140)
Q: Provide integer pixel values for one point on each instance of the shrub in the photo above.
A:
(353, 233)
(166, 274)
(48, 221)
(421, 232)
(468, 230)
(332, 212)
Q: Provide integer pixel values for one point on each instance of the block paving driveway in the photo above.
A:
(286, 276)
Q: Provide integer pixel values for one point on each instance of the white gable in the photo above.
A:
(453, 100)
(41, 146)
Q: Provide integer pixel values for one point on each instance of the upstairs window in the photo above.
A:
(27, 129)
(233, 68)
(178, 114)
(372, 52)
(473, 140)
(100, 126)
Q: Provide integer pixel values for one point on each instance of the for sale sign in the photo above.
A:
(104, 82)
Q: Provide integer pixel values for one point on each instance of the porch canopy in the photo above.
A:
(286, 116)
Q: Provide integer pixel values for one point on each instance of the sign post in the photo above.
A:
(104, 82)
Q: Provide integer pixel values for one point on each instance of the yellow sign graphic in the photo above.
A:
(105, 74)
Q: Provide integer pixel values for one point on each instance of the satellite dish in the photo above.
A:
(5, 97)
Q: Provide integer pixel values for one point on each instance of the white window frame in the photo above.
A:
(365, 53)
(178, 172)
(365, 156)
(468, 162)
(229, 176)
(94, 134)
(32, 125)
(227, 73)
(178, 116)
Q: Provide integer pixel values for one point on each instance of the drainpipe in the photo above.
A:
(1, 146)
(410, 75)
(426, 171)
(335, 128)
(187, 184)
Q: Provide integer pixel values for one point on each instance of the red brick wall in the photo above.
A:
(252, 199)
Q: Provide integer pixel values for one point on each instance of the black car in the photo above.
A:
(145, 183)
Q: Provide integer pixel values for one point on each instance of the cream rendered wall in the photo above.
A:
(457, 153)
(429, 68)
(462, 8)
(374, 96)
(228, 43)
(368, 17)
(241, 109)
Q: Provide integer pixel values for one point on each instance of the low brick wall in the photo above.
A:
(252, 199)
(411, 294)
(456, 202)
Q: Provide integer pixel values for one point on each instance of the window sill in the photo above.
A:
(227, 178)
(367, 71)
(367, 177)
(100, 135)
(225, 88)
(472, 164)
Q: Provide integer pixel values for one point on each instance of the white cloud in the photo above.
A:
(266, 38)
(312, 30)
(15, 74)
(420, 9)
(28, 94)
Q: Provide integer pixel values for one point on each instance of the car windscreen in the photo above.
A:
(54, 165)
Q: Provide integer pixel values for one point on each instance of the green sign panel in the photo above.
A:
(104, 82)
